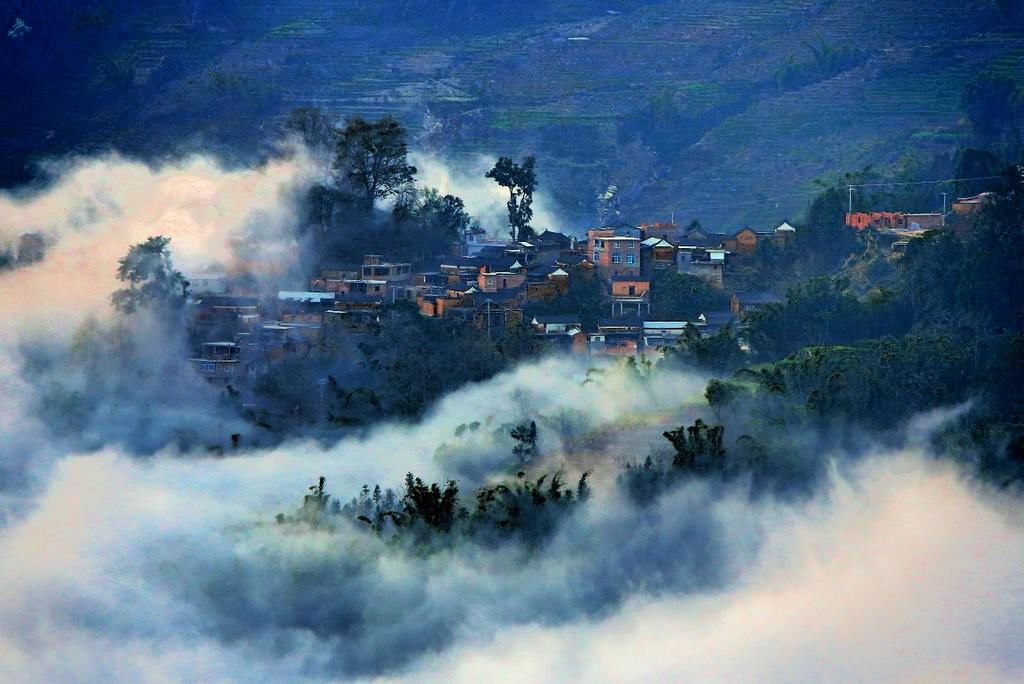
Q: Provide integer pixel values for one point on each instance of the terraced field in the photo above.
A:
(578, 84)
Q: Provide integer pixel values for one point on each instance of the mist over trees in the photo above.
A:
(520, 180)
(152, 281)
(482, 505)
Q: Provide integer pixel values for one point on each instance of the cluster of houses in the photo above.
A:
(491, 285)
(486, 284)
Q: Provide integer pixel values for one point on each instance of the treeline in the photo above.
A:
(949, 330)
(433, 514)
(365, 165)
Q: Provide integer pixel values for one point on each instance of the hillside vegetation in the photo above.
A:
(722, 109)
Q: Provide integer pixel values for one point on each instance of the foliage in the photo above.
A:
(585, 297)
(431, 515)
(973, 280)
(371, 159)
(442, 220)
(994, 104)
(314, 128)
(520, 181)
(152, 281)
(821, 311)
(827, 61)
(677, 296)
(698, 452)
(824, 241)
(718, 353)
(420, 358)
(525, 436)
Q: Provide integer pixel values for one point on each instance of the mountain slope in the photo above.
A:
(699, 109)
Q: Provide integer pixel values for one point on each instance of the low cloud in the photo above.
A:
(169, 569)
(485, 200)
(98, 207)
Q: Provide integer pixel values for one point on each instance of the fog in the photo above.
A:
(125, 556)
(169, 570)
(485, 200)
(98, 207)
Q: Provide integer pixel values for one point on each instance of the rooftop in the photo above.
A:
(299, 296)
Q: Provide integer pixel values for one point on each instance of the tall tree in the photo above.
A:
(372, 159)
(443, 217)
(152, 281)
(521, 181)
(314, 128)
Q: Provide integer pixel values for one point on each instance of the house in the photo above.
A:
(304, 307)
(356, 320)
(541, 291)
(219, 363)
(616, 337)
(614, 251)
(711, 322)
(573, 340)
(968, 205)
(743, 241)
(278, 340)
(545, 282)
(632, 324)
(657, 254)
(630, 294)
(784, 234)
(375, 268)
(706, 264)
(742, 303)
(346, 286)
(662, 333)
(495, 315)
(474, 239)
(337, 270)
(669, 231)
(488, 281)
(459, 271)
(439, 304)
(698, 238)
(894, 221)
(558, 323)
(930, 221)
(573, 262)
(219, 317)
(550, 239)
(207, 283)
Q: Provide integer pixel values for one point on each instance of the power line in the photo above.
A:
(765, 200)
(928, 182)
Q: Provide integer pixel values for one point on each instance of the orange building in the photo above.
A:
(614, 251)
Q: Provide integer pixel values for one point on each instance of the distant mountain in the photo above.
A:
(697, 108)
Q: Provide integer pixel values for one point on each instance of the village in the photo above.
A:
(502, 288)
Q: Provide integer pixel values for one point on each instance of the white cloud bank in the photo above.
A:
(138, 572)
(98, 207)
(485, 200)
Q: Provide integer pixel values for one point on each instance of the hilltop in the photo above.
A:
(704, 109)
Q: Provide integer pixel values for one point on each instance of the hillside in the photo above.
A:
(706, 109)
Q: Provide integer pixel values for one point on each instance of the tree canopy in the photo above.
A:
(371, 159)
(152, 281)
(520, 181)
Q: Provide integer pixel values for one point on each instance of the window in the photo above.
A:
(616, 258)
(597, 255)
(631, 258)
(618, 245)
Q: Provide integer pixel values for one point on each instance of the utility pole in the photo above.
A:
(943, 204)
(850, 205)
